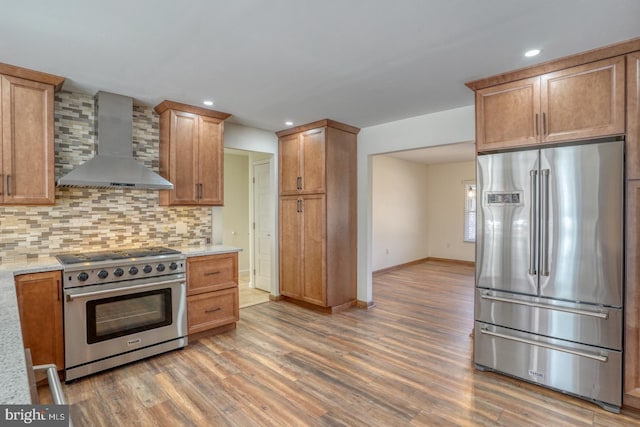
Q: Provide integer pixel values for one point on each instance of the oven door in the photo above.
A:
(111, 319)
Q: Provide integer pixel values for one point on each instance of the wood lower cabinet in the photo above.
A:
(40, 305)
(303, 247)
(212, 292)
(191, 154)
(581, 102)
(317, 214)
(631, 396)
(26, 144)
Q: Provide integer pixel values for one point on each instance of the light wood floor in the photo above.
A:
(405, 362)
(249, 296)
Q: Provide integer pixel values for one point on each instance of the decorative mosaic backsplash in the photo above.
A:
(86, 219)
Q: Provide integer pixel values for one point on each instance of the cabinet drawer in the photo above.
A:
(213, 309)
(211, 273)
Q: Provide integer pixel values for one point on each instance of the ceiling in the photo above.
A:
(361, 62)
(450, 153)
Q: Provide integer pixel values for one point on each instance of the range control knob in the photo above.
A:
(133, 270)
(160, 267)
(83, 276)
(118, 272)
(173, 266)
(147, 269)
(103, 274)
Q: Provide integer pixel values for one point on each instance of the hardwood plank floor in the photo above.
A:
(406, 362)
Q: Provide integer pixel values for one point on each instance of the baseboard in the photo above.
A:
(365, 305)
(420, 261)
(276, 297)
(452, 261)
(399, 266)
(310, 306)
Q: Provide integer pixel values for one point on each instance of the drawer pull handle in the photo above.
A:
(598, 357)
(211, 273)
(598, 314)
(213, 310)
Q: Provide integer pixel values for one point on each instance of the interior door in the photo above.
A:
(506, 250)
(263, 219)
(581, 245)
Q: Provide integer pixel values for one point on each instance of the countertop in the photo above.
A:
(14, 385)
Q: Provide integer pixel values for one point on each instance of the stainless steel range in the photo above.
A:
(121, 306)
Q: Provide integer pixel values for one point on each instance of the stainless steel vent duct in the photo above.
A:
(113, 165)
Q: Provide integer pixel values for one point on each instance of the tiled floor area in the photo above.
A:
(250, 296)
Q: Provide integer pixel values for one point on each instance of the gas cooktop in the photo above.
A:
(113, 255)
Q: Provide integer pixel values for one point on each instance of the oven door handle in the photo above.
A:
(71, 297)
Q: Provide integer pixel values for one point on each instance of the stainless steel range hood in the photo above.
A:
(114, 166)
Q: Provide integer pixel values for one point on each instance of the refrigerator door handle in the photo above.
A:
(598, 357)
(589, 313)
(544, 223)
(533, 174)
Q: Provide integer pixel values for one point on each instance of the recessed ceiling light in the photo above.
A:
(208, 103)
(532, 52)
(288, 123)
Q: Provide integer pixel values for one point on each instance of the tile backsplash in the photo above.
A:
(85, 219)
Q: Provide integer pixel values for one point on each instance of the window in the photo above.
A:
(469, 212)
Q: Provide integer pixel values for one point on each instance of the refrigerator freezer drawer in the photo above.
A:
(583, 323)
(588, 372)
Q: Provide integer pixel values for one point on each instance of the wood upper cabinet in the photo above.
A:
(302, 161)
(506, 114)
(581, 102)
(191, 154)
(317, 214)
(40, 305)
(27, 142)
(212, 292)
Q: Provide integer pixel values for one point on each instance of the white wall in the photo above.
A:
(418, 211)
(399, 212)
(235, 213)
(445, 127)
(445, 210)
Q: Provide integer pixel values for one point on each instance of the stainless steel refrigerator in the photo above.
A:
(549, 268)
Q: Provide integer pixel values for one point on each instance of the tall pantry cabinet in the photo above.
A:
(317, 214)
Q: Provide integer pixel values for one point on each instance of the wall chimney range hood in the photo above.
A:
(113, 165)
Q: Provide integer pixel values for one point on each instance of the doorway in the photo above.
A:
(248, 221)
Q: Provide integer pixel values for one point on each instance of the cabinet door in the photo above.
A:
(210, 162)
(290, 259)
(631, 395)
(583, 102)
(313, 249)
(27, 142)
(40, 306)
(507, 115)
(312, 153)
(211, 273)
(183, 158)
(289, 164)
(633, 116)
